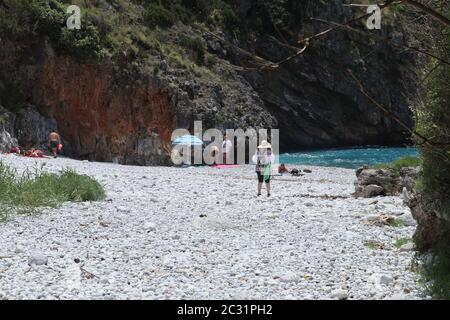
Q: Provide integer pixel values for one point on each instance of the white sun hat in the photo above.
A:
(265, 145)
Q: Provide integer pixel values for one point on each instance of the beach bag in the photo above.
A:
(267, 172)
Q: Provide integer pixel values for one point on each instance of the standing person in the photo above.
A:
(54, 143)
(214, 155)
(263, 159)
(226, 147)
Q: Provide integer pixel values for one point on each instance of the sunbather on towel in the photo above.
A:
(282, 169)
(34, 153)
(15, 150)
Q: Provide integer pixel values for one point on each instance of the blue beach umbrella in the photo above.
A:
(187, 140)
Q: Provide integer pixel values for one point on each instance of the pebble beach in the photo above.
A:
(202, 233)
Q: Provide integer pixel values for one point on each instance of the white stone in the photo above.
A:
(340, 294)
(407, 219)
(37, 259)
(407, 247)
(149, 226)
(385, 279)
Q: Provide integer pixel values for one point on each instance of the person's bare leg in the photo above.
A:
(259, 188)
(268, 188)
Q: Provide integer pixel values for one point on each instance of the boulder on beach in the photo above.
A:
(376, 182)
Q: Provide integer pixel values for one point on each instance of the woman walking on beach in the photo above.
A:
(263, 159)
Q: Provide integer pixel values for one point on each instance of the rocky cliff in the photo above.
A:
(123, 107)
(313, 97)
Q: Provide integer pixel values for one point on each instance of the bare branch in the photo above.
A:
(430, 72)
(307, 40)
(385, 39)
(387, 111)
(429, 11)
(425, 141)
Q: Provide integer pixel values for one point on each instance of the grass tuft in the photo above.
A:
(402, 241)
(374, 245)
(436, 272)
(25, 193)
(400, 163)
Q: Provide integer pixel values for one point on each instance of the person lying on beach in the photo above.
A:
(263, 159)
(295, 172)
(15, 150)
(34, 153)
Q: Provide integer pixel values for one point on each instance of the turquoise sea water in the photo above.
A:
(347, 158)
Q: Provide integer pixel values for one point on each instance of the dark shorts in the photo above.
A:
(54, 144)
(261, 177)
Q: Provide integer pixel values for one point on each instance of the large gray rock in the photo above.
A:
(407, 247)
(7, 138)
(432, 225)
(32, 128)
(374, 182)
(407, 219)
(372, 190)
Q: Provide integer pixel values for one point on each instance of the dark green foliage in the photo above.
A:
(400, 163)
(195, 46)
(436, 273)
(25, 193)
(105, 33)
(158, 15)
(166, 13)
(230, 20)
(434, 123)
(35, 20)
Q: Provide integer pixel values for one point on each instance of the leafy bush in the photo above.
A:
(434, 123)
(196, 46)
(24, 193)
(158, 16)
(402, 241)
(38, 19)
(400, 163)
(436, 273)
(230, 19)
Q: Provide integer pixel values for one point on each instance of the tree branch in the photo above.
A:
(307, 40)
(429, 11)
(425, 141)
(386, 39)
(387, 111)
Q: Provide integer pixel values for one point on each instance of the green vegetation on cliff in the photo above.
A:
(433, 122)
(111, 27)
(400, 163)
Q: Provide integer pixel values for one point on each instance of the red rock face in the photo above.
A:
(131, 123)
